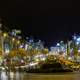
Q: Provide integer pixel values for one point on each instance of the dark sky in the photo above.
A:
(47, 20)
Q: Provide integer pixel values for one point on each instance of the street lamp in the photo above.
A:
(12, 42)
(13, 39)
(58, 44)
(5, 35)
(18, 42)
(78, 39)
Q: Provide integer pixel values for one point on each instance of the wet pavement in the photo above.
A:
(30, 76)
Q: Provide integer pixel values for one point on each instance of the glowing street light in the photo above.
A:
(77, 43)
(18, 42)
(74, 37)
(5, 34)
(13, 39)
(78, 39)
(58, 44)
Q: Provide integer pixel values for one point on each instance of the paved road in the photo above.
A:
(26, 76)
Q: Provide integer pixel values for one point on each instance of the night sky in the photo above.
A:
(48, 20)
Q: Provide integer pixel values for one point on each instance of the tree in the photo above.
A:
(45, 51)
(12, 53)
(21, 52)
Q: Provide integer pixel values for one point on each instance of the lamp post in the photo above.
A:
(2, 40)
(76, 39)
(4, 36)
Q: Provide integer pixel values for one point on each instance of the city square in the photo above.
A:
(39, 40)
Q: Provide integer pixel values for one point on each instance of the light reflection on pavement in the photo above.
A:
(27, 76)
(11, 75)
